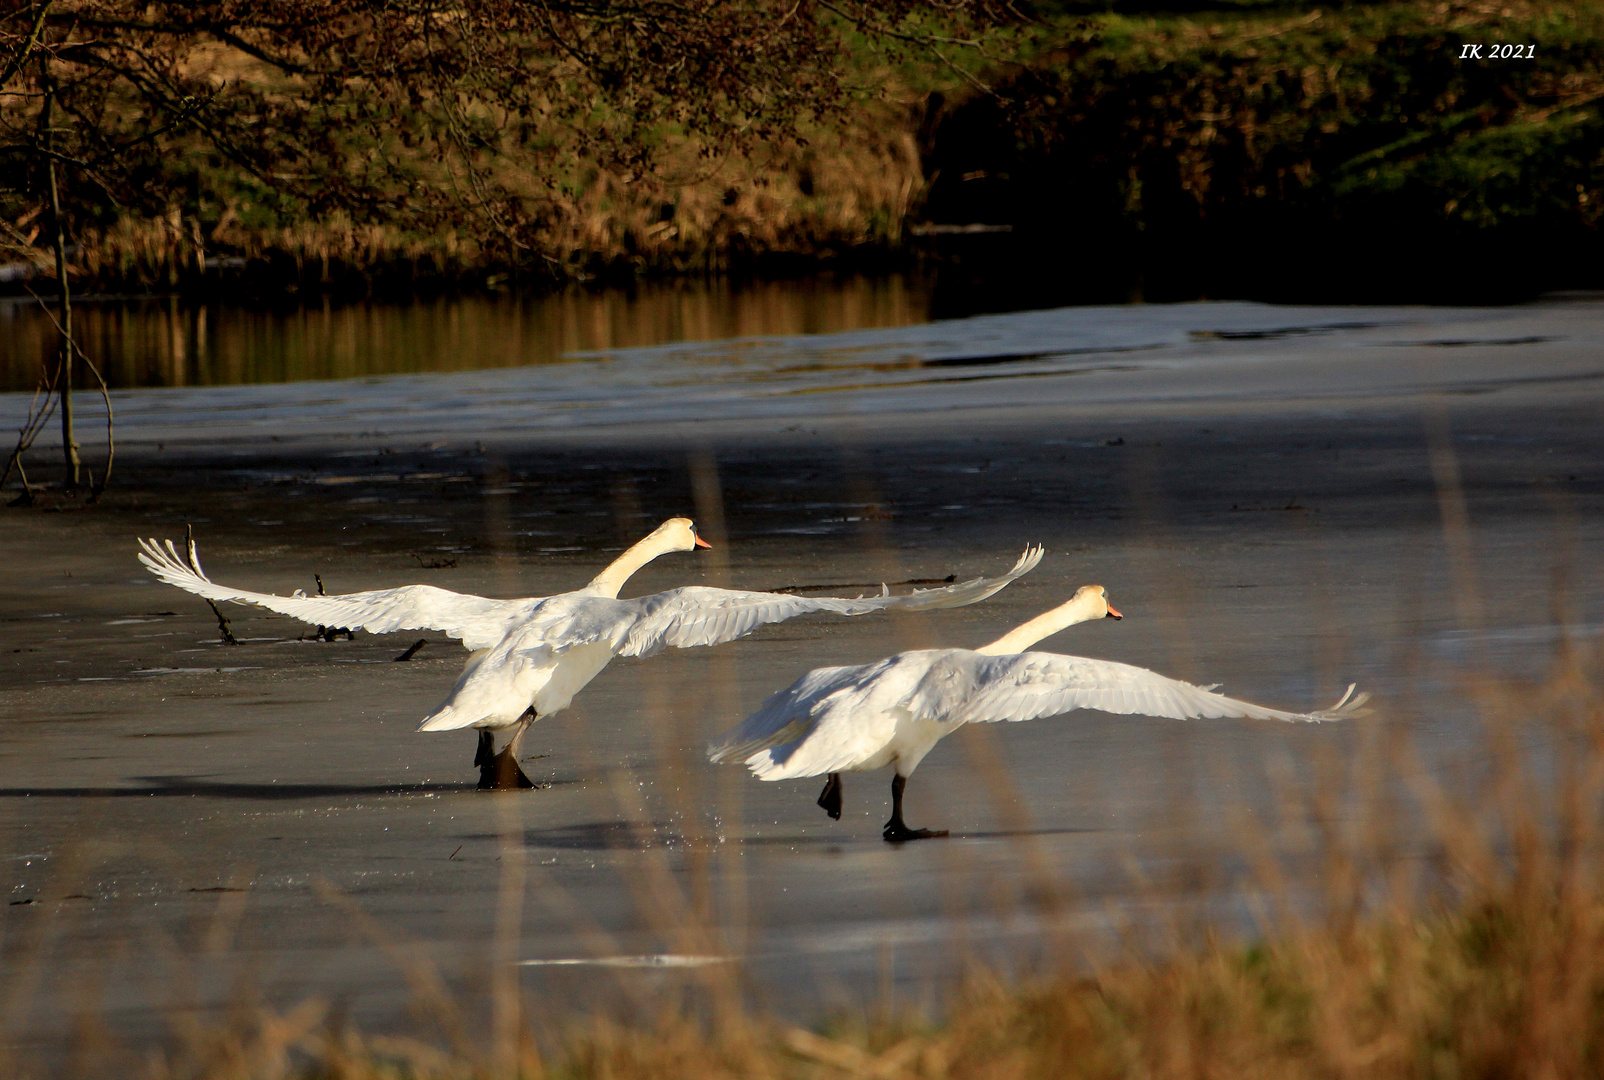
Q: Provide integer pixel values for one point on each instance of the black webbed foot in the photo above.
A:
(896, 831)
(503, 773)
(830, 797)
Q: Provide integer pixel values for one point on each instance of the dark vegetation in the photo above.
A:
(1292, 151)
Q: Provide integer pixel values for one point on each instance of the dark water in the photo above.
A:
(162, 342)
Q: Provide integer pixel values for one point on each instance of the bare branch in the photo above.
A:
(17, 60)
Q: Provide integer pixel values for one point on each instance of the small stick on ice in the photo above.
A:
(194, 564)
(332, 633)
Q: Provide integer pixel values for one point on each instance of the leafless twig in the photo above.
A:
(194, 564)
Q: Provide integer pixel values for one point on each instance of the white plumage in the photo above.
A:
(893, 712)
(537, 653)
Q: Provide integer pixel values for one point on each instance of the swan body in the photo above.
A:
(894, 711)
(531, 656)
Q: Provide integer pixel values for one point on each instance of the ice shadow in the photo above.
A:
(194, 787)
(630, 836)
(656, 835)
(596, 836)
(1021, 834)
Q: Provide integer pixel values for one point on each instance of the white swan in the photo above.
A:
(854, 719)
(531, 656)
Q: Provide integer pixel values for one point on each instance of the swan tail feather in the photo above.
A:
(448, 718)
(748, 750)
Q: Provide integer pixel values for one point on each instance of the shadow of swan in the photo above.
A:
(197, 788)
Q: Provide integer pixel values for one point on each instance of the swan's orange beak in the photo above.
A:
(702, 543)
(1112, 614)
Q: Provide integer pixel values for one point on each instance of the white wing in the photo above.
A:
(974, 689)
(787, 714)
(697, 615)
(479, 622)
(826, 721)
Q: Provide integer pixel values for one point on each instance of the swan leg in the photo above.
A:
(896, 830)
(830, 797)
(501, 772)
(487, 748)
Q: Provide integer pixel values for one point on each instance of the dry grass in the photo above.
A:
(850, 189)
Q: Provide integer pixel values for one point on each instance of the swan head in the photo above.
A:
(677, 534)
(1095, 598)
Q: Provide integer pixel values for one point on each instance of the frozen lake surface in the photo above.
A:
(1262, 490)
(1193, 354)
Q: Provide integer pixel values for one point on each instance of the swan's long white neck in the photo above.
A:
(611, 580)
(1085, 605)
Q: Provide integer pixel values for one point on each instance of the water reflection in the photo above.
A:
(160, 342)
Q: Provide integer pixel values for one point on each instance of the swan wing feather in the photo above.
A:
(787, 715)
(478, 621)
(829, 720)
(1028, 685)
(825, 721)
(963, 593)
(699, 615)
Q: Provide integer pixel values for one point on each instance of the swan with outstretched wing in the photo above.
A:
(894, 711)
(531, 656)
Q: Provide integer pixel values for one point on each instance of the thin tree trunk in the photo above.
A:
(69, 443)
